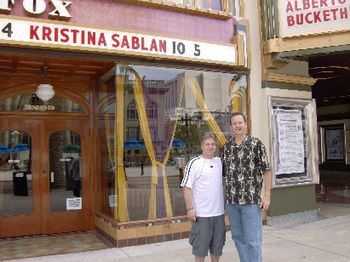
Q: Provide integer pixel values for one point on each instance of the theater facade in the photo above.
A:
(305, 67)
(103, 102)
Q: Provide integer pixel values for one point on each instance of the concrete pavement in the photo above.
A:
(319, 241)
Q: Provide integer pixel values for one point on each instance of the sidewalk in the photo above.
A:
(319, 241)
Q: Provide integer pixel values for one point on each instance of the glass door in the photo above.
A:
(44, 176)
(66, 176)
(20, 201)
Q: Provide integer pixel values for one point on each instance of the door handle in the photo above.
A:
(65, 160)
(13, 161)
(52, 177)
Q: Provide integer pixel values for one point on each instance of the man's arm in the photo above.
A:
(191, 213)
(267, 177)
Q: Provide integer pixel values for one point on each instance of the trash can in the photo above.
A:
(20, 187)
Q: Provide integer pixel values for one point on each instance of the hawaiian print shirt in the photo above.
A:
(243, 167)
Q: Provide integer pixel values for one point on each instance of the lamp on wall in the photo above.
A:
(45, 91)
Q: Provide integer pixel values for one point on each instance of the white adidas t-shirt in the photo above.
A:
(204, 177)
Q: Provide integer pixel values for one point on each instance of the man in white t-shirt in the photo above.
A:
(204, 198)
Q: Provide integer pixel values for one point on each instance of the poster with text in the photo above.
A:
(290, 142)
(334, 144)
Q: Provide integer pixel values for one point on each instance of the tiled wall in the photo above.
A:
(143, 232)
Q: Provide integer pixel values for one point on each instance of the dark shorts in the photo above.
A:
(208, 233)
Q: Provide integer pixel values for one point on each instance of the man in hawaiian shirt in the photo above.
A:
(246, 167)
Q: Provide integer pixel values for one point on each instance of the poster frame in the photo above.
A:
(340, 131)
(308, 108)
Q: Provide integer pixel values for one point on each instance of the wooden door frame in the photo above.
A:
(76, 87)
(42, 222)
(82, 219)
(29, 224)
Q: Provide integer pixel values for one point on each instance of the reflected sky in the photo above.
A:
(161, 73)
(157, 73)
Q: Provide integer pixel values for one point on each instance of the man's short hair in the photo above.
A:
(238, 114)
(208, 135)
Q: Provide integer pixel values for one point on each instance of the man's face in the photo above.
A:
(238, 125)
(208, 148)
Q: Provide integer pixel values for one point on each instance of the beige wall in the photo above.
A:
(258, 102)
(258, 95)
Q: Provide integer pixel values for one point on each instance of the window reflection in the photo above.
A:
(65, 171)
(152, 111)
(15, 173)
(206, 4)
(31, 103)
(131, 111)
(162, 126)
(132, 133)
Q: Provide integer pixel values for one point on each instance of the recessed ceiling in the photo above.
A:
(333, 74)
(10, 63)
(329, 66)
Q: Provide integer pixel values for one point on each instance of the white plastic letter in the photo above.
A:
(61, 8)
(34, 7)
(5, 5)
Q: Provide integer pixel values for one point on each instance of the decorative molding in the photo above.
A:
(240, 50)
(290, 79)
(324, 40)
(272, 63)
(242, 41)
(185, 8)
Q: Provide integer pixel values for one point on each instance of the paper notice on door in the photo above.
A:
(112, 200)
(74, 203)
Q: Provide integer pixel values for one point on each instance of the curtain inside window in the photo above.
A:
(158, 149)
(121, 211)
(196, 90)
(173, 107)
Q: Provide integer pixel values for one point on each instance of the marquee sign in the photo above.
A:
(299, 17)
(59, 8)
(61, 35)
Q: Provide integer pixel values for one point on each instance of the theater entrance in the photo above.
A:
(44, 175)
(46, 150)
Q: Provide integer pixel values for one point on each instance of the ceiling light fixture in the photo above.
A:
(45, 91)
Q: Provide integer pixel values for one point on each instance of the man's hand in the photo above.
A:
(191, 213)
(265, 202)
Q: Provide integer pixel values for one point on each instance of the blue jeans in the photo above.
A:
(246, 230)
